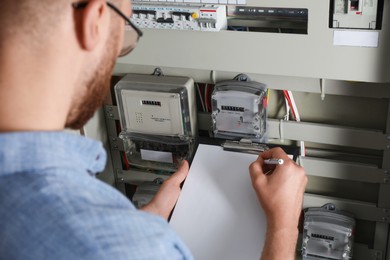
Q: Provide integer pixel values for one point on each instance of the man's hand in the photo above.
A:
(280, 191)
(163, 202)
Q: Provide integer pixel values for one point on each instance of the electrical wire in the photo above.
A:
(287, 116)
(297, 117)
(206, 97)
(294, 109)
(125, 162)
(210, 91)
(200, 97)
(267, 99)
(288, 99)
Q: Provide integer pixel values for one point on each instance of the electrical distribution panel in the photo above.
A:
(359, 14)
(158, 119)
(180, 17)
(239, 110)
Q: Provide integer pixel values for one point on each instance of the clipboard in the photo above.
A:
(218, 215)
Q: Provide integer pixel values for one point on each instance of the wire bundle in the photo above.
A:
(204, 94)
(291, 106)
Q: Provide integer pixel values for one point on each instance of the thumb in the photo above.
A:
(180, 175)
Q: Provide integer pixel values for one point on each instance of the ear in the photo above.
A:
(94, 23)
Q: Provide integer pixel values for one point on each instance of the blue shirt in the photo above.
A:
(53, 207)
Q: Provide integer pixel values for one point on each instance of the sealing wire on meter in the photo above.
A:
(268, 97)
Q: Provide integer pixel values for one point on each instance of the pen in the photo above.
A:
(274, 161)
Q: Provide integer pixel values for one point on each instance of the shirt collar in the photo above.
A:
(35, 151)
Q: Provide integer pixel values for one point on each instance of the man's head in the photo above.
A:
(87, 40)
(98, 82)
(95, 81)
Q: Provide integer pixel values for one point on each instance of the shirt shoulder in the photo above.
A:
(57, 215)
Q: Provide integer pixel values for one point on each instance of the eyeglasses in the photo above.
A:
(131, 38)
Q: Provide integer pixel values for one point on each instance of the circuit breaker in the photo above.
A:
(356, 14)
(180, 17)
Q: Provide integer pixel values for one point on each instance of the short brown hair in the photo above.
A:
(30, 19)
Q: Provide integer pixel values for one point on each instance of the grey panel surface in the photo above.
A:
(380, 240)
(328, 134)
(343, 170)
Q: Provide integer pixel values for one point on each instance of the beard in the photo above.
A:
(96, 86)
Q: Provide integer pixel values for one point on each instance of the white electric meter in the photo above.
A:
(158, 119)
(327, 233)
(239, 110)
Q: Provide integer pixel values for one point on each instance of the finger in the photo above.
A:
(180, 175)
(259, 164)
(266, 168)
(256, 171)
(274, 153)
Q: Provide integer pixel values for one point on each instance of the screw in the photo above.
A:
(114, 139)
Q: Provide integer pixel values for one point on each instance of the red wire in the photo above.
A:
(126, 162)
(287, 96)
(208, 97)
(290, 104)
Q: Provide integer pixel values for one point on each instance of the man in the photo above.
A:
(56, 58)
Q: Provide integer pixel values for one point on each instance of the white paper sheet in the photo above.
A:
(218, 215)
